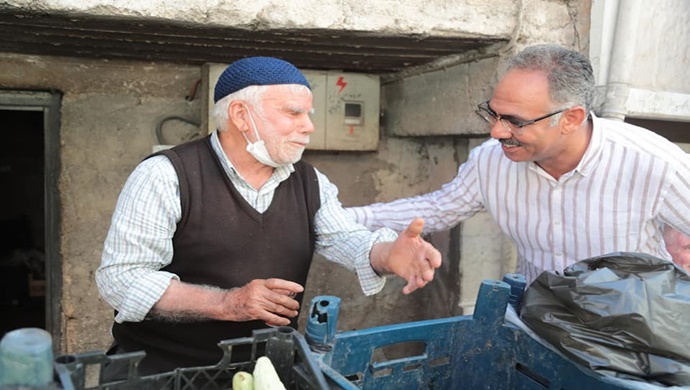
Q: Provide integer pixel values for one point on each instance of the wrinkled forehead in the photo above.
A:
(287, 91)
(293, 96)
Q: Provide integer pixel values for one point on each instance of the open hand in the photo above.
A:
(409, 257)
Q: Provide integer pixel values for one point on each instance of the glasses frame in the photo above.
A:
(512, 125)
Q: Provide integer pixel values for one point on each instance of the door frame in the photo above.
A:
(48, 102)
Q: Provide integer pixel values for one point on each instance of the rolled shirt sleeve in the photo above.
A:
(139, 242)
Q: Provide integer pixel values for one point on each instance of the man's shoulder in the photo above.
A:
(307, 171)
(639, 141)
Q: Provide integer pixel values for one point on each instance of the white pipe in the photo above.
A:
(622, 60)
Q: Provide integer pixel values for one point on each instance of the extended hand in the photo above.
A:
(409, 257)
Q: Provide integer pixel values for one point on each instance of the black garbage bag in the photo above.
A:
(622, 314)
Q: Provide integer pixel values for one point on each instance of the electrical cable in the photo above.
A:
(159, 126)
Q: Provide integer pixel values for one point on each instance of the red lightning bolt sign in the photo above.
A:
(341, 83)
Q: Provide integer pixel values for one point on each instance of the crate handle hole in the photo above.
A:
(528, 372)
(439, 362)
(397, 351)
(412, 367)
(383, 372)
(354, 377)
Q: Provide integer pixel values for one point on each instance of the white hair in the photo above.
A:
(252, 95)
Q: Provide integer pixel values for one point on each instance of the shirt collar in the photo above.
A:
(593, 152)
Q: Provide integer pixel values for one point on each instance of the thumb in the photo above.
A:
(414, 229)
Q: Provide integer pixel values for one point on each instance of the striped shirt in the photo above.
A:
(629, 182)
(139, 242)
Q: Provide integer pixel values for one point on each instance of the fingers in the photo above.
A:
(433, 256)
(424, 273)
(279, 317)
(284, 287)
(270, 300)
(415, 228)
(414, 284)
(287, 293)
(409, 288)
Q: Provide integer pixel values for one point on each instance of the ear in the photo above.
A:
(237, 115)
(572, 119)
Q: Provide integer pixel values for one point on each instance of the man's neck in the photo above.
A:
(571, 155)
(251, 170)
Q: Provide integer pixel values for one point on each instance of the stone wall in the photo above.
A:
(110, 110)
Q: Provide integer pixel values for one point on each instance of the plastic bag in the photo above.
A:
(622, 314)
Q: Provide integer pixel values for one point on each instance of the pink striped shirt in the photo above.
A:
(629, 182)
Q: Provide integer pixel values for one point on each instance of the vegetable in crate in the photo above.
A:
(265, 375)
(242, 380)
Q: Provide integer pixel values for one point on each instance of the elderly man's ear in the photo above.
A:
(238, 115)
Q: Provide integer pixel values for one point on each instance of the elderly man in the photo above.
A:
(562, 183)
(214, 238)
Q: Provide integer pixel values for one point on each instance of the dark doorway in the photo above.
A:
(30, 265)
(22, 221)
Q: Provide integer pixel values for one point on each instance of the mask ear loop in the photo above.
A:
(256, 132)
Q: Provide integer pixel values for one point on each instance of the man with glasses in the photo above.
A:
(562, 183)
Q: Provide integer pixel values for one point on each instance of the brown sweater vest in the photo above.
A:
(222, 241)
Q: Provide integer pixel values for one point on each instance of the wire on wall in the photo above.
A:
(159, 128)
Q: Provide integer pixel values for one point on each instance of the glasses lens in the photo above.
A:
(486, 112)
(512, 127)
(484, 115)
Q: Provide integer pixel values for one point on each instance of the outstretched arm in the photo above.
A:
(409, 257)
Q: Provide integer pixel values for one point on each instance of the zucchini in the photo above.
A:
(265, 375)
(242, 380)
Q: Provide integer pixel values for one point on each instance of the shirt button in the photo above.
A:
(557, 223)
(558, 254)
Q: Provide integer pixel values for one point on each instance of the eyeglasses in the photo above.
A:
(511, 124)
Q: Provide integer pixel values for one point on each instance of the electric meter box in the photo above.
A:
(346, 108)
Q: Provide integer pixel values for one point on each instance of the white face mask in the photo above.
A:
(258, 148)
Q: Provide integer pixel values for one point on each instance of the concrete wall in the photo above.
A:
(436, 17)
(109, 112)
(641, 53)
(110, 109)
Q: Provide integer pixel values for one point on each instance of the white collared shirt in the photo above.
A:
(629, 182)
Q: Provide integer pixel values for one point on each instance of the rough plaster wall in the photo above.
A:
(109, 111)
(432, 103)
(436, 17)
(665, 25)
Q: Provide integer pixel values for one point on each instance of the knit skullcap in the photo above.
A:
(257, 71)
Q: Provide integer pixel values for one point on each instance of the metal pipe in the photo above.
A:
(622, 60)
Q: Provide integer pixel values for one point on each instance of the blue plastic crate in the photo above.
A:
(482, 351)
